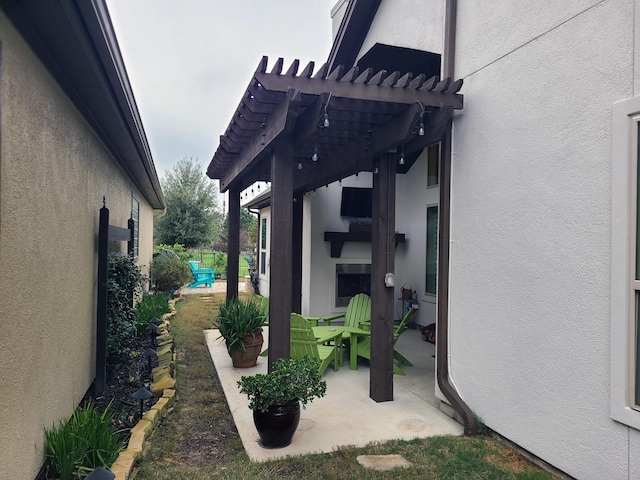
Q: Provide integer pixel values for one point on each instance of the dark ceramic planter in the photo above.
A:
(277, 425)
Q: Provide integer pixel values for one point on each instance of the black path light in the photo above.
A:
(101, 474)
(152, 328)
(155, 320)
(142, 394)
(149, 352)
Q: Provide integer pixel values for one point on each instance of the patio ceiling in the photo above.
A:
(369, 113)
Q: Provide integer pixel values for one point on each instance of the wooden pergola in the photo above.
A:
(302, 131)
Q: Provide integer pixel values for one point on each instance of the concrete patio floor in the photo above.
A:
(346, 415)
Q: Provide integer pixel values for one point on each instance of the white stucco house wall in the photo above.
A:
(542, 302)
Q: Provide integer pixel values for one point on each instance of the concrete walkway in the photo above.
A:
(346, 415)
(219, 286)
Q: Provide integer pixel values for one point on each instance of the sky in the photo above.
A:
(190, 61)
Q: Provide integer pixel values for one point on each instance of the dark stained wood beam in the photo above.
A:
(281, 263)
(360, 91)
(382, 263)
(233, 243)
(357, 153)
(281, 122)
(296, 274)
(307, 122)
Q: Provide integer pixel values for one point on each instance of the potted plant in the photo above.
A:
(275, 397)
(240, 324)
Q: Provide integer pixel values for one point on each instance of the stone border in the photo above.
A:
(163, 387)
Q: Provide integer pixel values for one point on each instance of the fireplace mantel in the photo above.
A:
(338, 240)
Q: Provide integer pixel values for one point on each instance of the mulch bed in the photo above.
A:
(125, 375)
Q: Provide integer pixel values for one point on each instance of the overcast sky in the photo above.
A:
(189, 62)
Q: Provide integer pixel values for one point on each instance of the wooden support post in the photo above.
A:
(233, 242)
(382, 262)
(280, 267)
(296, 276)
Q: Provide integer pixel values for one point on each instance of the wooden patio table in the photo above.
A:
(328, 332)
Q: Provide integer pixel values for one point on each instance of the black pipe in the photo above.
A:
(444, 226)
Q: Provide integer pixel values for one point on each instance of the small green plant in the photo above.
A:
(125, 282)
(220, 262)
(236, 319)
(169, 272)
(289, 380)
(84, 442)
(151, 305)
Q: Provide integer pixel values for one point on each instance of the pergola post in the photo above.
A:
(382, 262)
(280, 291)
(233, 242)
(296, 274)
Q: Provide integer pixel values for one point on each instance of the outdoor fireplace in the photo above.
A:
(351, 279)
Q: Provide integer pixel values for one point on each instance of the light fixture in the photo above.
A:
(375, 170)
(314, 157)
(258, 188)
(313, 193)
(421, 127)
(401, 156)
(149, 352)
(325, 119)
(326, 186)
(340, 182)
(299, 165)
(142, 394)
(356, 176)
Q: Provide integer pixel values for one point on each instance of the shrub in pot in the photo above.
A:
(275, 397)
(240, 324)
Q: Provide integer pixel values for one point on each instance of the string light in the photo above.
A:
(314, 157)
(401, 156)
(299, 165)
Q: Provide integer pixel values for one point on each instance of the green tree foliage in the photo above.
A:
(248, 231)
(192, 217)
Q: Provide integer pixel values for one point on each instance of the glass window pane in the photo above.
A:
(432, 249)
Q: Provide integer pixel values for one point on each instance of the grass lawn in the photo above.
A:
(206, 261)
(199, 439)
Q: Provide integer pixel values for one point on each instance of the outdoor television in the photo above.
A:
(356, 202)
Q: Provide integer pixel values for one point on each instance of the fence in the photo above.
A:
(206, 259)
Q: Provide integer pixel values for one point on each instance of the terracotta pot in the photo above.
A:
(277, 425)
(253, 347)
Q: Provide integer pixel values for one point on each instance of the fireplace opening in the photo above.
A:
(351, 279)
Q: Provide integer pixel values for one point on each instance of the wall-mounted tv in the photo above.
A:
(356, 202)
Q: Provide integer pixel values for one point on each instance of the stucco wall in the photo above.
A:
(531, 213)
(54, 172)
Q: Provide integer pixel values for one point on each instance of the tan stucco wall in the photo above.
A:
(54, 172)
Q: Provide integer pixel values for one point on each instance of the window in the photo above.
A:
(432, 250)
(625, 264)
(135, 216)
(263, 246)
(433, 164)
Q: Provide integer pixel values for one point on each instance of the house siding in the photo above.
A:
(54, 172)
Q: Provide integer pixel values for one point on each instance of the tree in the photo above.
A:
(192, 217)
(248, 229)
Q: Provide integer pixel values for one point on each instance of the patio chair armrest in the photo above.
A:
(334, 336)
(327, 320)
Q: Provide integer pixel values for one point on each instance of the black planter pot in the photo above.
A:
(277, 425)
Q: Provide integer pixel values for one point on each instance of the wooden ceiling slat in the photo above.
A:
(281, 122)
(337, 73)
(245, 123)
(260, 94)
(365, 76)
(277, 68)
(391, 80)
(429, 84)
(249, 115)
(257, 107)
(351, 75)
(417, 82)
(307, 125)
(322, 72)
(262, 65)
(455, 86)
(378, 78)
(404, 81)
(242, 132)
(308, 70)
(442, 86)
(293, 69)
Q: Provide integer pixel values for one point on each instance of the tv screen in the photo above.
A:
(356, 202)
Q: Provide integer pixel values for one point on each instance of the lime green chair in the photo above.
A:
(364, 342)
(358, 313)
(304, 344)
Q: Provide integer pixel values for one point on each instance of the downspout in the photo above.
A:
(444, 221)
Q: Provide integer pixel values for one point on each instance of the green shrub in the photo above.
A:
(236, 319)
(151, 305)
(84, 442)
(125, 281)
(168, 273)
(220, 262)
(178, 249)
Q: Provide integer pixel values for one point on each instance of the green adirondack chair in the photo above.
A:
(304, 344)
(358, 312)
(364, 342)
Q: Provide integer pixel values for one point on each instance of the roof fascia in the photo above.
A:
(352, 32)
